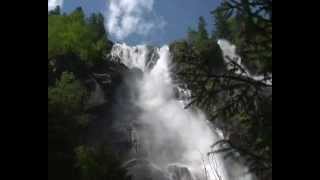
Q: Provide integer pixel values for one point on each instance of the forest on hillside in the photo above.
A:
(233, 100)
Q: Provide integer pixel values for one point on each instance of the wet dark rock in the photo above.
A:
(180, 173)
(107, 123)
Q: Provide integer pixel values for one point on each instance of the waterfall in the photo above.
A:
(229, 52)
(171, 142)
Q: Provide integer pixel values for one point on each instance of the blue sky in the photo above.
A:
(177, 14)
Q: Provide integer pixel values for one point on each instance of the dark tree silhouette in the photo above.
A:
(235, 101)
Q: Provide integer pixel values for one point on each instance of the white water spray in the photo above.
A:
(173, 141)
(229, 52)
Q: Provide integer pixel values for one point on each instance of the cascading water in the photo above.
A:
(229, 52)
(171, 143)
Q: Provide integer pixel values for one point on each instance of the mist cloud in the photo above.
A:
(126, 17)
(52, 4)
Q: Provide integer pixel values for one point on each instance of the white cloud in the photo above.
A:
(52, 4)
(126, 17)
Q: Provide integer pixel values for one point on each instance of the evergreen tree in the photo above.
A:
(237, 103)
(203, 34)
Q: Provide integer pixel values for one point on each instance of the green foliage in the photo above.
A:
(240, 105)
(225, 27)
(98, 163)
(76, 46)
(86, 162)
(67, 96)
(197, 51)
(96, 23)
(201, 34)
(55, 11)
(202, 31)
(248, 24)
(73, 34)
(66, 119)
